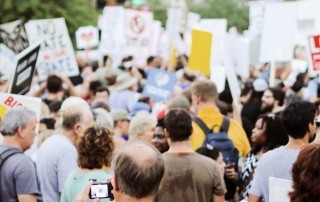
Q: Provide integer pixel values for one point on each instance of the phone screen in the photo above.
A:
(100, 190)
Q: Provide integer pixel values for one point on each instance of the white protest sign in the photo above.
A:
(219, 77)
(278, 36)
(56, 54)
(14, 36)
(112, 33)
(279, 189)
(7, 61)
(157, 32)
(139, 25)
(193, 19)
(87, 37)
(256, 15)
(21, 80)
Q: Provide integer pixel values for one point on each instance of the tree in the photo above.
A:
(76, 12)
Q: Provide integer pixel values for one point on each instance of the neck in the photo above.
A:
(70, 135)
(205, 104)
(117, 131)
(126, 198)
(296, 144)
(317, 139)
(12, 142)
(180, 147)
(277, 109)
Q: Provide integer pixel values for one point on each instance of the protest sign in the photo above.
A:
(56, 55)
(138, 31)
(279, 189)
(157, 32)
(256, 15)
(314, 47)
(200, 56)
(14, 36)
(7, 61)
(219, 77)
(112, 33)
(21, 80)
(159, 84)
(87, 37)
(278, 35)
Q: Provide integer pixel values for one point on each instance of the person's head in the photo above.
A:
(121, 121)
(75, 120)
(150, 61)
(54, 84)
(272, 97)
(142, 127)
(19, 123)
(306, 175)
(204, 91)
(268, 133)
(102, 93)
(103, 118)
(178, 125)
(179, 102)
(47, 123)
(138, 170)
(298, 119)
(213, 153)
(95, 148)
(93, 86)
(159, 139)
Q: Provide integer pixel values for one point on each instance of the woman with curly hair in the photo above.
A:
(268, 134)
(94, 153)
(306, 175)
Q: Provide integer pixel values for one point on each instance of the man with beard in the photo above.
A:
(273, 101)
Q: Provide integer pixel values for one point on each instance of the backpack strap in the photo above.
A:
(201, 124)
(225, 124)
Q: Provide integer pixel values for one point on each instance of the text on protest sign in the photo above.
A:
(159, 84)
(200, 56)
(56, 54)
(14, 36)
(21, 80)
(314, 45)
(87, 37)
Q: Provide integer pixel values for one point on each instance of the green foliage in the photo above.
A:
(76, 12)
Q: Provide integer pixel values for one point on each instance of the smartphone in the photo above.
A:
(101, 190)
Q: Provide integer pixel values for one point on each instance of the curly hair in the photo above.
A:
(306, 175)
(95, 148)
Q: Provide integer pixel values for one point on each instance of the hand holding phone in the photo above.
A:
(101, 190)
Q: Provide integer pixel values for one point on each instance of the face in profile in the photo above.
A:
(159, 140)
(258, 133)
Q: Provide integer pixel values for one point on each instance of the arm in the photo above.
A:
(27, 198)
(71, 88)
(254, 198)
(217, 198)
(41, 90)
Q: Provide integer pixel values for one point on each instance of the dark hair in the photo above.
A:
(93, 86)
(95, 148)
(150, 59)
(278, 95)
(55, 106)
(49, 122)
(275, 133)
(102, 89)
(94, 65)
(144, 99)
(105, 59)
(54, 84)
(306, 175)
(296, 118)
(178, 123)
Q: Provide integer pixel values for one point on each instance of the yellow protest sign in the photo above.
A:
(200, 54)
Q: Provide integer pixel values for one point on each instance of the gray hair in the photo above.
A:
(104, 119)
(15, 118)
(139, 123)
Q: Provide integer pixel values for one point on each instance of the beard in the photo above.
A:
(266, 108)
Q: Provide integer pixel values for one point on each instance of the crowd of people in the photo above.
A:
(197, 146)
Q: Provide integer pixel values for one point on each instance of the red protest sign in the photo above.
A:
(314, 45)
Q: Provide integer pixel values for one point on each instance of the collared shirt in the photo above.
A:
(211, 116)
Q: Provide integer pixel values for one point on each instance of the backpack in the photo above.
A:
(220, 140)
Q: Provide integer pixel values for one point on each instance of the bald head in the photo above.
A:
(139, 168)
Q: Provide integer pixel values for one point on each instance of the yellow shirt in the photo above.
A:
(211, 116)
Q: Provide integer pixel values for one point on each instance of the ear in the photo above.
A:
(166, 133)
(77, 128)
(114, 182)
(20, 132)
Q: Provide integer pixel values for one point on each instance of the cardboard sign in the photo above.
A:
(14, 36)
(200, 56)
(21, 80)
(56, 55)
(7, 61)
(279, 189)
(314, 47)
(159, 84)
(278, 35)
(87, 37)
(138, 29)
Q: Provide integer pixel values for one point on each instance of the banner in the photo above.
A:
(314, 47)
(159, 84)
(279, 31)
(200, 56)
(7, 61)
(56, 55)
(138, 32)
(14, 36)
(21, 80)
(87, 37)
